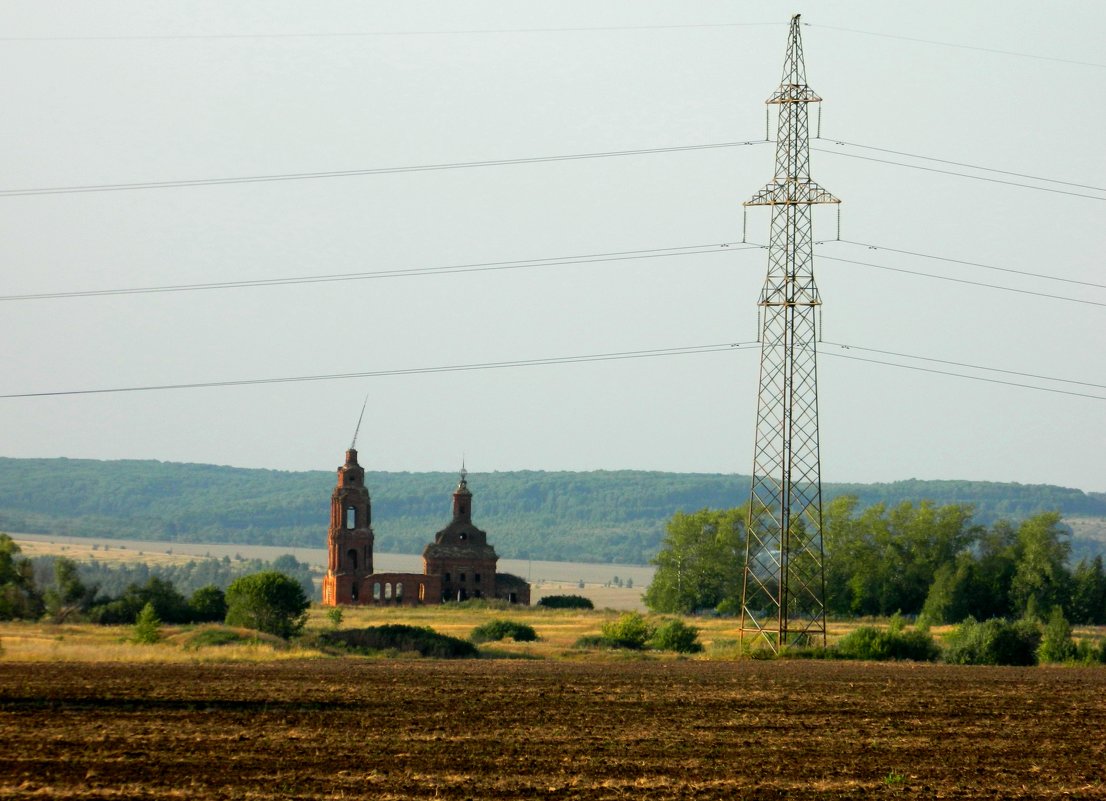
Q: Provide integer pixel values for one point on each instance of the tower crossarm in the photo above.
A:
(791, 193)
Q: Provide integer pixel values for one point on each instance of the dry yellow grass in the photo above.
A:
(103, 551)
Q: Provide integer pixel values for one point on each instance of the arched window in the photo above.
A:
(399, 592)
(351, 517)
(353, 591)
(446, 577)
(376, 590)
(388, 591)
(352, 556)
(422, 592)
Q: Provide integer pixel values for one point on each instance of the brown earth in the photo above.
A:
(495, 729)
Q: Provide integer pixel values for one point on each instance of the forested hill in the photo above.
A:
(600, 516)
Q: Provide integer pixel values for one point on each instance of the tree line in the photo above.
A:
(61, 590)
(597, 516)
(914, 559)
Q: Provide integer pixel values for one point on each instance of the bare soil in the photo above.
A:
(484, 729)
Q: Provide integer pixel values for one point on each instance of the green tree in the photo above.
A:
(1042, 551)
(699, 564)
(19, 597)
(147, 626)
(1056, 643)
(1088, 593)
(882, 561)
(208, 604)
(68, 598)
(170, 605)
(269, 601)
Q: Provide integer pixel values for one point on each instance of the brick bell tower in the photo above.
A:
(349, 538)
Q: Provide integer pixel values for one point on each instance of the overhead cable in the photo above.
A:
(305, 176)
(587, 258)
(959, 163)
(871, 246)
(962, 375)
(958, 46)
(962, 281)
(958, 174)
(452, 368)
(362, 34)
(965, 364)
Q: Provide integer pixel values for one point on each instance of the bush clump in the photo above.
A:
(629, 630)
(1057, 644)
(675, 635)
(892, 643)
(396, 637)
(566, 602)
(214, 636)
(495, 630)
(994, 642)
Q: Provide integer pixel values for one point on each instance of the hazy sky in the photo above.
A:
(134, 92)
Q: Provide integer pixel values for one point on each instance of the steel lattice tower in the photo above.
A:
(783, 587)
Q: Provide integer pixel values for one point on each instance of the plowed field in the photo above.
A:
(348, 728)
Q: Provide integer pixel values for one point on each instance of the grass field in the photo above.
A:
(518, 729)
(558, 631)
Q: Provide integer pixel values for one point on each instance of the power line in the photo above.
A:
(587, 258)
(959, 46)
(361, 34)
(958, 174)
(302, 176)
(964, 281)
(960, 164)
(965, 364)
(961, 375)
(597, 357)
(452, 368)
(870, 246)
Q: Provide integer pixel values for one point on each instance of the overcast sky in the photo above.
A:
(136, 92)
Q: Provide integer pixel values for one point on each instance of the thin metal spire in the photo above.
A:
(357, 430)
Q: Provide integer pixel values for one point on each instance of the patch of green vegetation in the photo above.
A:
(401, 639)
(566, 602)
(675, 635)
(215, 636)
(893, 643)
(994, 642)
(495, 630)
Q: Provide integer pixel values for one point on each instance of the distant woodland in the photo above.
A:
(599, 516)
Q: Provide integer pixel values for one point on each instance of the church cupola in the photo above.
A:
(462, 498)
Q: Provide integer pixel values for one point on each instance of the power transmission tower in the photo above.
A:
(783, 587)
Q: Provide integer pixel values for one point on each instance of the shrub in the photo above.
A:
(495, 630)
(995, 642)
(335, 616)
(675, 635)
(894, 643)
(629, 630)
(147, 628)
(396, 637)
(594, 641)
(270, 602)
(214, 637)
(566, 602)
(208, 605)
(1057, 644)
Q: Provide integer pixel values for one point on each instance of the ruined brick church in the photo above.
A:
(459, 564)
